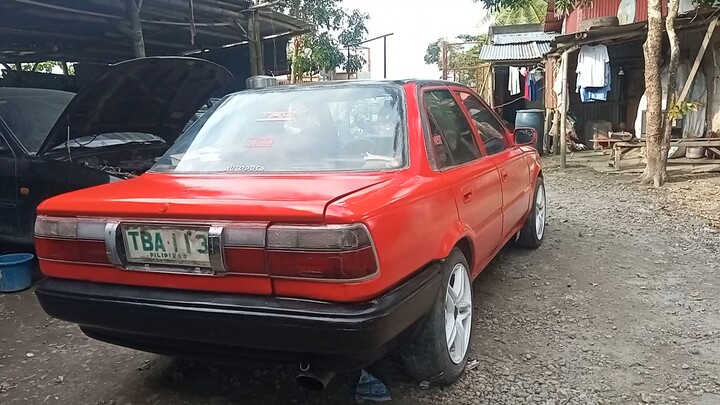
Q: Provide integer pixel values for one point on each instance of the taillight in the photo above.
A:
(70, 239)
(331, 253)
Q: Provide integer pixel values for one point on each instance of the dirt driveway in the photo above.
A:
(620, 306)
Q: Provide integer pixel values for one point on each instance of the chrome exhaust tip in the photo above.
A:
(311, 380)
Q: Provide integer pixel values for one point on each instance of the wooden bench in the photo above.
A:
(622, 148)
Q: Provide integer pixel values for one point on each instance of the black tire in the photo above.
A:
(528, 234)
(426, 356)
(598, 22)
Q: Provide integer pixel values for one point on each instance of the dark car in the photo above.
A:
(116, 127)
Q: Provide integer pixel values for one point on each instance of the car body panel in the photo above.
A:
(415, 215)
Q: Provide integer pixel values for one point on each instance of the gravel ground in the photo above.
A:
(619, 306)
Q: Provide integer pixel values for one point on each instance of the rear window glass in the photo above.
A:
(318, 128)
(31, 113)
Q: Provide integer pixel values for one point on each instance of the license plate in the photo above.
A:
(181, 246)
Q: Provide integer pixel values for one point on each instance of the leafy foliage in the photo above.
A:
(533, 12)
(461, 58)
(561, 6)
(318, 50)
(677, 111)
(45, 67)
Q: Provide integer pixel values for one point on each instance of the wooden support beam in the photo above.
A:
(255, 39)
(132, 7)
(564, 109)
(546, 130)
(698, 59)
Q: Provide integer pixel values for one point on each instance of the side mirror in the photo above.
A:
(525, 136)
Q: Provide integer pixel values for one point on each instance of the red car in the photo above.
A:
(324, 224)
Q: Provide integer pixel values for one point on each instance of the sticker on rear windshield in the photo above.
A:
(245, 168)
(276, 116)
(259, 142)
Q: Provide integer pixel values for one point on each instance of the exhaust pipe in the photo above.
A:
(313, 380)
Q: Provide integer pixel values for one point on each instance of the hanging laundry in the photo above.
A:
(514, 80)
(592, 94)
(593, 73)
(592, 61)
(532, 89)
(526, 90)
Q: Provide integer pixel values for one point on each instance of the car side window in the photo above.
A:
(490, 130)
(450, 133)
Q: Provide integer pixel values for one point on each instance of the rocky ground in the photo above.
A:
(619, 306)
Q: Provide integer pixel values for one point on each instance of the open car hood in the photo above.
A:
(156, 95)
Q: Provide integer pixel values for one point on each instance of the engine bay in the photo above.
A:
(123, 161)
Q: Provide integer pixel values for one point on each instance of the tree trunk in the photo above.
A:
(655, 170)
(297, 44)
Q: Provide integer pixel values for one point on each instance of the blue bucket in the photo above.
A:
(15, 272)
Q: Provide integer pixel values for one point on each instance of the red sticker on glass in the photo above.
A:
(437, 140)
(277, 116)
(259, 142)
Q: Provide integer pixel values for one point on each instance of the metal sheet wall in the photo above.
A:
(606, 8)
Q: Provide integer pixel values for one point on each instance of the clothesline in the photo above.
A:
(516, 100)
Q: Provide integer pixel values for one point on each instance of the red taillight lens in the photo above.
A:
(332, 253)
(353, 265)
(70, 239)
(245, 260)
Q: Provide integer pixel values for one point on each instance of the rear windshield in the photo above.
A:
(313, 129)
(31, 113)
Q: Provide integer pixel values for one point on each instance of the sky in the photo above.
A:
(415, 23)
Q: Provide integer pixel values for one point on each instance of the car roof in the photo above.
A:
(350, 83)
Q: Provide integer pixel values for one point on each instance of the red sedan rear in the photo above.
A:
(324, 224)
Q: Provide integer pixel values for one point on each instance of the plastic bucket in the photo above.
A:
(15, 272)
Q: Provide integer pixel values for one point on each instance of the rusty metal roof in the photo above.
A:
(96, 30)
(510, 52)
(523, 37)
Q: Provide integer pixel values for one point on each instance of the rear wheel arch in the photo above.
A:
(466, 248)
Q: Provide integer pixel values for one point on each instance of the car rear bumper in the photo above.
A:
(217, 326)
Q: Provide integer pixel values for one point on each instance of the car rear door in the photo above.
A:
(8, 190)
(509, 159)
(474, 178)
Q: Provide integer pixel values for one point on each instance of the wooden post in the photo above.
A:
(546, 130)
(255, 44)
(564, 110)
(444, 56)
(133, 14)
(556, 134)
(492, 87)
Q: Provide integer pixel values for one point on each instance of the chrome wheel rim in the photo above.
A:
(458, 313)
(540, 212)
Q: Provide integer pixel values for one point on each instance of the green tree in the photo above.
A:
(352, 34)
(312, 52)
(461, 58)
(324, 15)
(531, 12)
(45, 67)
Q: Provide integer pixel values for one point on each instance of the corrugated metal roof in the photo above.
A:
(529, 51)
(523, 37)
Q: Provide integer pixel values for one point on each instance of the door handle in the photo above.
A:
(504, 176)
(467, 194)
